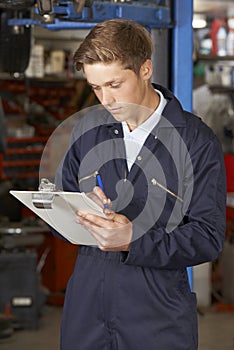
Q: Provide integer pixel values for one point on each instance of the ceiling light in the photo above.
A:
(199, 21)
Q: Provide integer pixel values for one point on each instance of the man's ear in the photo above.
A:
(146, 69)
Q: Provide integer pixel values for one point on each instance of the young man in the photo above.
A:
(163, 181)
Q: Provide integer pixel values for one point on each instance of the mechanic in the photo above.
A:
(163, 194)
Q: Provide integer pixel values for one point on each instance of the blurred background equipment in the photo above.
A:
(40, 88)
(15, 41)
(18, 16)
(21, 289)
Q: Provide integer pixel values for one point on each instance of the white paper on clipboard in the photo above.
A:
(61, 214)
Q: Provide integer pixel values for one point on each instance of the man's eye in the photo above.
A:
(95, 88)
(115, 86)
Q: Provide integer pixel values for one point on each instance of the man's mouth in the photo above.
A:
(114, 110)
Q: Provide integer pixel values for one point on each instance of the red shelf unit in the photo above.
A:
(22, 157)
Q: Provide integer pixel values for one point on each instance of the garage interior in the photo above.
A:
(40, 89)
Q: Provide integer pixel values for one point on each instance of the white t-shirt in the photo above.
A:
(134, 140)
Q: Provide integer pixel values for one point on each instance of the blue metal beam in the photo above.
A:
(182, 49)
(182, 62)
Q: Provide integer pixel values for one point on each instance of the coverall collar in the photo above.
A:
(172, 113)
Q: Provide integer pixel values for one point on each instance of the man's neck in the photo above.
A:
(153, 105)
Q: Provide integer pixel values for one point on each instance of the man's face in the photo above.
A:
(121, 91)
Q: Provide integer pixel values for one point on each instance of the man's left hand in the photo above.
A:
(112, 233)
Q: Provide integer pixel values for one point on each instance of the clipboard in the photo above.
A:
(58, 210)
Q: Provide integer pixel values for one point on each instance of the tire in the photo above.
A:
(14, 46)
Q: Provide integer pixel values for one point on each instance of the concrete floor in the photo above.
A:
(216, 332)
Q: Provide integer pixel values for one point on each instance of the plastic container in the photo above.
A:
(57, 61)
(215, 26)
(221, 42)
(226, 77)
(230, 37)
(36, 63)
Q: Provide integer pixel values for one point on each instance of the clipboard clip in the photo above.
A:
(46, 186)
(43, 199)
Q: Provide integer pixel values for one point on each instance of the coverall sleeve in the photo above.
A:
(199, 237)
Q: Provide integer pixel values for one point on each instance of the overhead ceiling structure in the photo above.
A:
(17, 17)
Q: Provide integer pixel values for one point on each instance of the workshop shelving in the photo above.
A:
(22, 157)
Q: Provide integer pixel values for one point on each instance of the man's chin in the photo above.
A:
(117, 113)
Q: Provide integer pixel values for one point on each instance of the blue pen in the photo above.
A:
(100, 184)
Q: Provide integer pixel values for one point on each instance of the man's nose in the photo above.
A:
(107, 97)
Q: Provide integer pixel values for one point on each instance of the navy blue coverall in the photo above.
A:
(175, 196)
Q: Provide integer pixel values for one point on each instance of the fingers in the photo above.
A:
(92, 220)
(99, 197)
(99, 192)
(122, 248)
(107, 243)
(118, 218)
(112, 219)
(95, 199)
(113, 233)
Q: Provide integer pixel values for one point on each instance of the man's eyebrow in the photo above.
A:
(91, 84)
(105, 84)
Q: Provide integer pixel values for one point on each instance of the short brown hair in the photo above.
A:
(119, 40)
